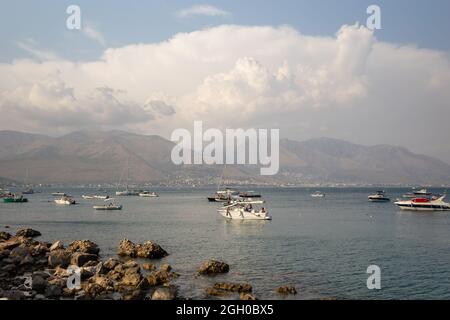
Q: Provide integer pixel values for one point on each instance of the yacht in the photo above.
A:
(379, 196)
(318, 194)
(424, 204)
(148, 194)
(248, 210)
(65, 200)
(224, 195)
(422, 192)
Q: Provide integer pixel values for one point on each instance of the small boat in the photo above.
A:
(422, 192)
(128, 193)
(65, 200)
(28, 191)
(88, 197)
(249, 194)
(424, 204)
(318, 194)
(59, 194)
(15, 199)
(109, 206)
(409, 195)
(245, 211)
(148, 194)
(379, 196)
(224, 195)
(101, 197)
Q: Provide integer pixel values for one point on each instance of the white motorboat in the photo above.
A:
(247, 210)
(424, 204)
(422, 192)
(59, 194)
(101, 197)
(318, 194)
(379, 196)
(65, 200)
(94, 197)
(128, 193)
(109, 206)
(148, 194)
(87, 197)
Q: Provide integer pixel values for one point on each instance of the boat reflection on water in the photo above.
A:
(244, 227)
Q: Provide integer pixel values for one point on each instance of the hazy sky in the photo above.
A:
(305, 67)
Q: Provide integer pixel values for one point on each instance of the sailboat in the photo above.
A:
(127, 191)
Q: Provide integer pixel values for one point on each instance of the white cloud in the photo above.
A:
(348, 86)
(93, 33)
(202, 10)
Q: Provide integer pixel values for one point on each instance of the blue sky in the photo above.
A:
(424, 23)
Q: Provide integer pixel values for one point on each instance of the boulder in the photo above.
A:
(158, 278)
(38, 283)
(39, 250)
(111, 263)
(100, 269)
(216, 292)
(167, 293)
(59, 258)
(234, 287)
(19, 253)
(213, 267)
(28, 233)
(84, 246)
(4, 236)
(150, 250)
(133, 295)
(103, 281)
(247, 296)
(53, 291)
(28, 260)
(286, 290)
(57, 245)
(126, 248)
(148, 266)
(131, 279)
(165, 267)
(80, 258)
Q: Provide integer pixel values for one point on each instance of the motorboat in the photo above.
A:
(109, 206)
(248, 210)
(127, 192)
(148, 194)
(249, 194)
(28, 191)
(59, 194)
(15, 199)
(87, 197)
(379, 196)
(424, 204)
(224, 195)
(318, 194)
(65, 200)
(422, 192)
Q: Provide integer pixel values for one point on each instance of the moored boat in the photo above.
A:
(59, 194)
(148, 194)
(65, 200)
(379, 196)
(248, 210)
(424, 204)
(110, 206)
(15, 199)
(318, 194)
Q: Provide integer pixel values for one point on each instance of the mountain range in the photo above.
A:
(101, 157)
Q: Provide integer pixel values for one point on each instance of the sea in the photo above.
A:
(322, 246)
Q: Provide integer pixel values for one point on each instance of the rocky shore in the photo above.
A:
(31, 269)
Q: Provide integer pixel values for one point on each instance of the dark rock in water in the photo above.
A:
(213, 267)
(287, 290)
(53, 291)
(111, 263)
(234, 287)
(19, 253)
(167, 293)
(4, 235)
(80, 258)
(165, 267)
(84, 246)
(131, 279)
(28, 233)
(57, 245)
(28, 260)
(158, 278)
(133, 295)
(216, 292)
(149, 250)
(38, 283)
(247, 296)
(59, 258)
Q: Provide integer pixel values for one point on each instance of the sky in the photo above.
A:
(308, 68)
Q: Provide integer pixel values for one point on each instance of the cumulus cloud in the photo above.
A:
(202, 10)
(348, 86)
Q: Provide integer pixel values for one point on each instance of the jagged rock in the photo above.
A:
(12, 294)
(53, 290)
(84, 246)
(127, 248)
(4, 253)
(247, 296)
(149, 249)
(234, 287)
(38, 283)
(103, 281)
(19, 253)
(57, 245)
(93, 289)
(39, 250)
(59, 258)
(130, 264)
(80, 258)
(28, 260)
(213, 267)
(10, 243)
(111, 263)
(148, 266)
(100, 269)
(131, 279)
(28, 233)
(133, 295)
(165, 267)
(287, 290)
(168, 293)
(158, 278)
(5, 235)
(216, 292)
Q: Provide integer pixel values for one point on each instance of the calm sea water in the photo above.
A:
(322, 246)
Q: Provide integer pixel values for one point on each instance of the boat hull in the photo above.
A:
(11, 200)
(108, 208)
(244, 215)
(408, 207)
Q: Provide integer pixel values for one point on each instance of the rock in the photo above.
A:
(4, 253)
(133, 295)
(4, 235)
(84, 246)
(148, 266)
(57, 245)
(130, 264)
(38, 283)
(164, 294)
(131, 279)
(247, 296)
(143, 285)
(53, 290)
(28, 233)
(60, 272)
(216, 292)
(213, 267)
(127, 248)
(100, 269)
(12, 294)
(28, 260)
(165, 267)
(19, 253)
(59, 258)
(39, 250)
(158, 278)
(93, 289)
(234, 287)
(80, 258)
(287, 290)
(111, 263)
(103, 281)
(10, 244)
(149, 250)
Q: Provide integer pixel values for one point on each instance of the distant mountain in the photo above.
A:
(100, 157)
